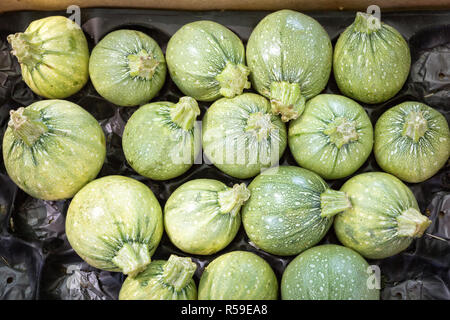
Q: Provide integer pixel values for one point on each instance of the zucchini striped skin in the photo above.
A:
(371, 225)
(328, 272)
(112, 212)
(63, 159)
(195, 220)
(198, 53)
(312, 142)
(237, 146)
(289, 46)
(371, 60)
(54, 56)
(111, 68)
(238, 275)
(399, 154)
(283, 214)
(152, 284)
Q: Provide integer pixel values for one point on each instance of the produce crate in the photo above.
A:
(37, 262)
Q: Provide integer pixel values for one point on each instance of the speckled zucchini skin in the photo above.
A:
(111, 72)
(370, 64)
(194, 220)
(53, 55)
(399, 154)
(199, 52)
(333, 137)
(238, 275)
(150, 285)
(289, 46)
(63, 159)
(328, 272)
(283, 214)
(155, 146)
(108, 214)
(370, 226)
(236, 145)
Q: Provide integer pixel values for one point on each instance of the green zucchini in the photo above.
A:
(115, 223)
(202, 216)
(383, 219)
(53, 55)
(159, 140)
(371, 60)
(52, 148)
(162, 280)
(238, 275)
(207, 61)
(127, 68)
(333, 137)
(412, 141)
(289, 55)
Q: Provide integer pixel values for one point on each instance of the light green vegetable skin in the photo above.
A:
(412, 141)
(328, 272)
(290, 209)
(333, 137)
(207, 61)
(52, 148)
(289, 55)
(383, 219)
(115, 223)
(159, 140)
(127, 68)
(53, 55)
(203, 216)
(238, 275)
(162, 280)
(371, 60)
(241, 136)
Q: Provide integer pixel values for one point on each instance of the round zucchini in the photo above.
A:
(53, 55)
(207, 61)
(162, 280)
(289, 55)
(127, 68)
(371, 60)
(328, 272)
(383, 219)
(52, 148)
(238, 275)
(202, 216)
(115, 223)
(333, 137)
(290, 209)
(412, 141)
(159, 140)
(242, 137)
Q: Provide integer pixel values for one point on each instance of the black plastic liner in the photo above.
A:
(37, 262)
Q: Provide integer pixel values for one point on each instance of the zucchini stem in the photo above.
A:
(333, 202)
(411, 223)
(415, 126)
(178, 272)
(233, 80)
(24, 49)
(366, 23)
(232, 199)
(260, 124)
(27, 125)
(286, 99)
(142, 65)
(341, 131)
(185, 112)
(132, 258)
